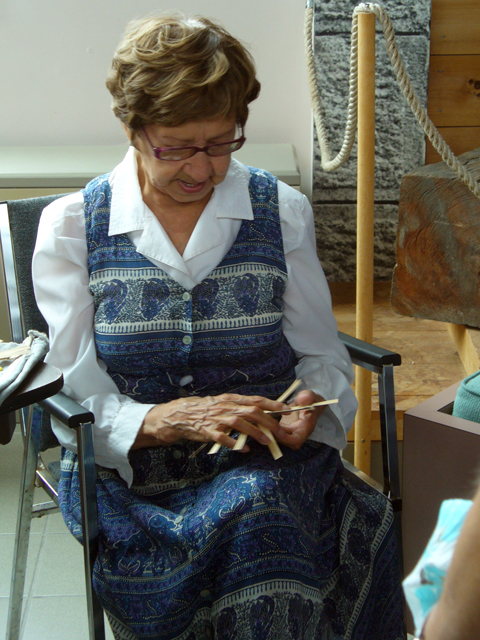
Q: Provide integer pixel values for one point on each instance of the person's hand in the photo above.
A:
(299, 425)
(208, 419)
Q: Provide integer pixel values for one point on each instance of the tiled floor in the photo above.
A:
(55, 583)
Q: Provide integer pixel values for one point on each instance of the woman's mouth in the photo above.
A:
(191, 187)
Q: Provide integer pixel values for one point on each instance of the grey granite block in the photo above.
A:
(400, 142)
(410, 17)
(336, 225)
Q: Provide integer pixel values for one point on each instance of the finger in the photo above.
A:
(249, 401)
(253, 416)
(236, 423)
(222, 440)
(306, 397)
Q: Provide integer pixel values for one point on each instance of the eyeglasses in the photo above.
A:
(174, 154)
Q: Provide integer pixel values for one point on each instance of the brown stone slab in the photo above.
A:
(438, 246)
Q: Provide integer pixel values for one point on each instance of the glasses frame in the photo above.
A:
(158, 150)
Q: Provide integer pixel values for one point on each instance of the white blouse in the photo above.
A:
(61, 288)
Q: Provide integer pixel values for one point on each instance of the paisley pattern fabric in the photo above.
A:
(233, 546)
(241, 547)
(225, 332)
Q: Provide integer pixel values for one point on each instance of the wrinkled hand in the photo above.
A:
(207, 419)
(298, 426)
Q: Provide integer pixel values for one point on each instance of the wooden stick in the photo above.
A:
(217, 446)
(365, 228)
(293, 387)
(14, 352)
(242, 437)
(305, 407)
(272, 444)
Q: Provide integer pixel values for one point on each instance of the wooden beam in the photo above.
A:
(467, 342)
(455, 27)
(459, 139)
(454, 90)
(365, 227)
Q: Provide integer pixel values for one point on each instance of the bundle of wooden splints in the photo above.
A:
(272, 444)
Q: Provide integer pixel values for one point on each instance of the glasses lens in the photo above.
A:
(173, 155)
(224, 149)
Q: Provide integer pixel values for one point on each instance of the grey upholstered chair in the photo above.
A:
(18, 231)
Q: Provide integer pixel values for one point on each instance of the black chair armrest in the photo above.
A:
(369, 353)
(67, 410)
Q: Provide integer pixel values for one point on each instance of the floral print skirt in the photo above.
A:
(241, 547)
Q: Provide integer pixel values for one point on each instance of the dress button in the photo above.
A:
(204, 593)
(187, 339)
(177, 454)
(186, 296)
(178, 519)
(182, 484)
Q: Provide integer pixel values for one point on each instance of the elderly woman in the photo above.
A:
(184, 295)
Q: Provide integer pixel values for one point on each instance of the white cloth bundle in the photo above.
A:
(26, 356)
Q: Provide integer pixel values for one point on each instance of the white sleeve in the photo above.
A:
(309, 325)
(61, 282)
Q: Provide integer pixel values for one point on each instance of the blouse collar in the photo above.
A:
(129, 212)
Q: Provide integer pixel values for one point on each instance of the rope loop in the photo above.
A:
(329, 164)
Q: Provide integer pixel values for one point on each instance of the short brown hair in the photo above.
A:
(170, 70)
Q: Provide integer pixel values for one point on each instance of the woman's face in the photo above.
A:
(183, 181)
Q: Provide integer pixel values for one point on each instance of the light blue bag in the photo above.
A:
(424, 585)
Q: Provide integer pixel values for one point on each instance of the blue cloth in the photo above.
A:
(232, 546)
(242, 547)
(467, 400)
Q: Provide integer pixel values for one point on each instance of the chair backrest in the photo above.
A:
(18, 233)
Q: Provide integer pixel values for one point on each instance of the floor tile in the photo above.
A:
(7, 542)
(56, 618)
(11, 457)
(56, 524)
(9, 502)
(3, 616)
(60, 570)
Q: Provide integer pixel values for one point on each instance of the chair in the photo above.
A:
(18, 229)
(18, 226)
(381, 362)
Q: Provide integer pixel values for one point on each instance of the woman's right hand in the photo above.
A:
(209, 419)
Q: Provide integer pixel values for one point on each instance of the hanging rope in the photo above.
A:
(405, 85)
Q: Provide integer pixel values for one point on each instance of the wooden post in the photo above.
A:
(365, 228)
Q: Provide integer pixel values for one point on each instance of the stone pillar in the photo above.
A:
(400, 142)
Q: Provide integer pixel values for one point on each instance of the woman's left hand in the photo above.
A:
(298, 426)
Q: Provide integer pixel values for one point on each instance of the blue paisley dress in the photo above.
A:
(232, 546)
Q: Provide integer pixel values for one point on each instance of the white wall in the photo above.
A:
(54, 56)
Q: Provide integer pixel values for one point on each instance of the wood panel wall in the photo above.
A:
(454, 75)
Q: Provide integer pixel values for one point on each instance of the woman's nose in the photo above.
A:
(199, 166)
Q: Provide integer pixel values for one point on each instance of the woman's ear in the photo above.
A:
(129, 132)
